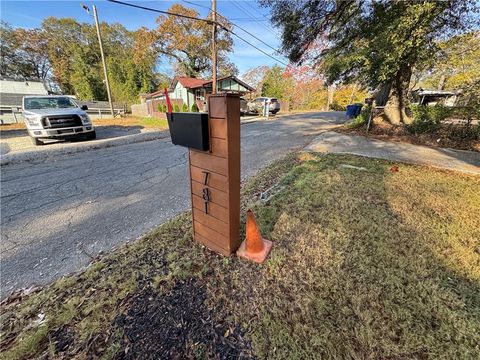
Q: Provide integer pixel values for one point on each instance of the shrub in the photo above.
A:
(176, 108)
(184, 108)
(194, 108)
(427, 119)
(337, 107)
(465, 132)
(160, 107)
(360, 119)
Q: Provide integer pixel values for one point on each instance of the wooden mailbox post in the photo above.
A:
(215, 178)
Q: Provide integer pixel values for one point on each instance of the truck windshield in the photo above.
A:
(49, 103)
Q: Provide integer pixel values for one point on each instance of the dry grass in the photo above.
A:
(366, 264)
(146, 122)
(10, 127)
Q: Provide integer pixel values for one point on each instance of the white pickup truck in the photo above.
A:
(56, 117)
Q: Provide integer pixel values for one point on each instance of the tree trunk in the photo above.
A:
(395, 108)
(330, 94)
(441, 82)
(381, 96)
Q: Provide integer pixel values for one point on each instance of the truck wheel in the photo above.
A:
(92, 135)
(36, 141)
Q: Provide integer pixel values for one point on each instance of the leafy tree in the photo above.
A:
(23, 53)
(277, 83)
(65, 38)
(254, 76)
(73, 51)
(7, 50)
(188, 43)
(377, 44)
(457, 65)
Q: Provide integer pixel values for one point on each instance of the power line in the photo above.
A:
(208, 21)
(161, 11)
(263, 52)
(238, 26)
(246, 11)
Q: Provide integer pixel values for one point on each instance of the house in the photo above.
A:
(12, 92)
(189, 91)
(432, 97)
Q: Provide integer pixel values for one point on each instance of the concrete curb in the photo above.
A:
(45, 153)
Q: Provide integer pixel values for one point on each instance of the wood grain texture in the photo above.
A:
(209, 162)
(216, 196)
(219, 229)
(218, 128)
(217, 105)
(211, 222)
(211, 245)
(214, 180)
(215, 210)
(211, 235)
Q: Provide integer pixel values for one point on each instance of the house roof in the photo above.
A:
(195, 83)
(24, 87)
(191, 83)
(422, 92)
(202, 83)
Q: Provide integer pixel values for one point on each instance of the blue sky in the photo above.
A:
(246, 13)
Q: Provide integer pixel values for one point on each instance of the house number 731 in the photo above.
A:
(206, 192)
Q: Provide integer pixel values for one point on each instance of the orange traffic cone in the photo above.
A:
(254, 247)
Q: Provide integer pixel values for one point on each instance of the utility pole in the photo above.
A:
(214, 47)
(103, 59)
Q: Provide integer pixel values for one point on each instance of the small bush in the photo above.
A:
(176, 108)
(427, 119)
(194, 108)
(465, 132)
(337, 107)
(360, 119)
(184, 108)
(160, 107)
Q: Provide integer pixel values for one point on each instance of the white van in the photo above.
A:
(56, 117)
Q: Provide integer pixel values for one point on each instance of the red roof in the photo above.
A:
(190, 83)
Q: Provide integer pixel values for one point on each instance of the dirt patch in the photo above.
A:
(448, 136)
(177, 326)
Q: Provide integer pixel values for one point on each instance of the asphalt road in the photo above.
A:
(57, 215)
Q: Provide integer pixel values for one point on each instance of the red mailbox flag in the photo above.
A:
(169, 104)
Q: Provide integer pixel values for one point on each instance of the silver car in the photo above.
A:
(256, 106)
(56, 117)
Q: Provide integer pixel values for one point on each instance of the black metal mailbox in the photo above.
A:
(189, 130)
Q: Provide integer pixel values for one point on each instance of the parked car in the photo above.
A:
(56, 117)
(256, 106)
(243, 107)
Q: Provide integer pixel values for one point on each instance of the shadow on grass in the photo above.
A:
(366, 263)
(363, 267)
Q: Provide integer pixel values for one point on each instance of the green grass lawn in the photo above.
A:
(366, 263)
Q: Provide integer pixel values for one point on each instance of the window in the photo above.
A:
(49, 103)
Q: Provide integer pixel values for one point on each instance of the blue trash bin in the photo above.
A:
(358, 109)
(351, 109)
